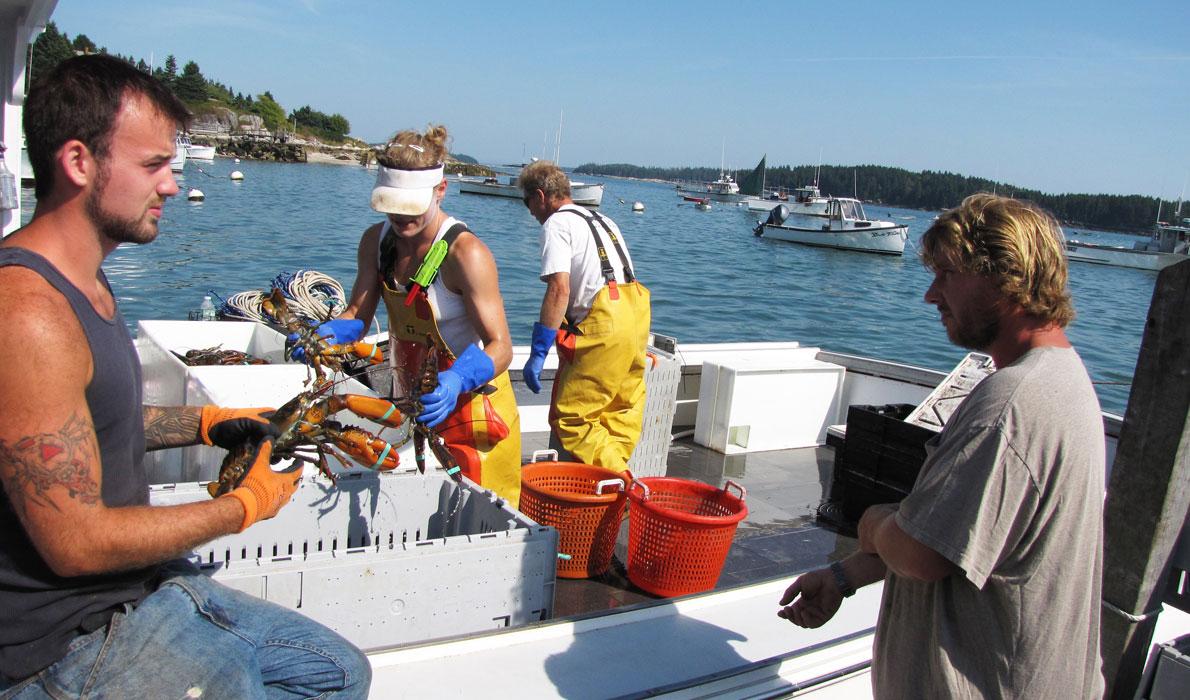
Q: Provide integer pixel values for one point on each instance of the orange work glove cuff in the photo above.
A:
(248, 498)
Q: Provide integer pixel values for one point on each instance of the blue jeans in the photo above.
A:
(196, 638)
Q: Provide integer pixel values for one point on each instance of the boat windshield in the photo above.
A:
(853, 210)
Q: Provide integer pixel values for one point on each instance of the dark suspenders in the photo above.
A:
(605, 265)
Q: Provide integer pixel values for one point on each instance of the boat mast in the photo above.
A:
(558, 141)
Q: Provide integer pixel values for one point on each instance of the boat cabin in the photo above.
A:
(1172, 238)
(847, 210)
(809, 193)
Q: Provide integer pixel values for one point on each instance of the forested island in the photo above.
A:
(927, 189)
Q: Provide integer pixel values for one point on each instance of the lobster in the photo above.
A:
(308, 433)
(318, 351)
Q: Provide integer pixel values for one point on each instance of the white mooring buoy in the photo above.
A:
(237, 175)
(195, 195)
(638, 206)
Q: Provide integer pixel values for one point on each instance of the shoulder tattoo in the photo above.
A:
(34, 467)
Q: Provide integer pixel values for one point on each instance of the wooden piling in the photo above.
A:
(1149, 488)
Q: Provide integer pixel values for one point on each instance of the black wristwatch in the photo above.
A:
(841, 581)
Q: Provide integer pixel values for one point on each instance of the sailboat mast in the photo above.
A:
(558, 142)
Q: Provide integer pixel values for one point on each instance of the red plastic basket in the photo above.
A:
(584, 503)
(679, 533)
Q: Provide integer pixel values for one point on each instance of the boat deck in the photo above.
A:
(777, 540)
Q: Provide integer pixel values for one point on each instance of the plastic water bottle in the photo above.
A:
(8, 185)
(208, 309)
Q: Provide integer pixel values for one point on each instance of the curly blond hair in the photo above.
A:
(412, 150)
(1013, 242)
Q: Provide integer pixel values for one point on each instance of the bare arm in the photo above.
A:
(557, 299)
(171, 426)
(879, 534)
(365, 293)
(814, 597)
(470, 271)
(49, 455)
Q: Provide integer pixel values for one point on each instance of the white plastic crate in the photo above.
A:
(164, 375)
(663, 372)
(755, 404)
(380, 558)
(269, 385)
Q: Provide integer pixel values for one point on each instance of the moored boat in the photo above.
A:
(1169, 244)
(845, 227)
(195, 151)
(807, 201)
(178, 164)
(583, 193)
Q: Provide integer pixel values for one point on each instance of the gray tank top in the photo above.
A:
(41, 612)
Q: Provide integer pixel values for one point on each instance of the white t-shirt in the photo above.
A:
(567, 245)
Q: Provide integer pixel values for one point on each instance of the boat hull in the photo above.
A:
(580, 193)
(883, 240)
(1121, 257)
(795, 208)
(200, 152)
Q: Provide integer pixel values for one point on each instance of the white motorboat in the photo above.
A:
(807, 201)
(178, 164)
(194, 151)
(583, 193)
(1169, 244)
(845, 226)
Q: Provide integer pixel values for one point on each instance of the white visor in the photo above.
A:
(406, 192)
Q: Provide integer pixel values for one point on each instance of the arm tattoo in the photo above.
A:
(35, 465)
(171, 426)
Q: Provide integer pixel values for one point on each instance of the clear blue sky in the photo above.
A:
(1084, 96)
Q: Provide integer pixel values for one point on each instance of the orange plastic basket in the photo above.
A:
(679, 533)
(584, 503)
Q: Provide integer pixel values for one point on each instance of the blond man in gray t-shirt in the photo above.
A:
(992, 565)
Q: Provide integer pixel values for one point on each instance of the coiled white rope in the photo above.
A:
(309, 294)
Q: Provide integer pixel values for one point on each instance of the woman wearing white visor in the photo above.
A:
(460, 312)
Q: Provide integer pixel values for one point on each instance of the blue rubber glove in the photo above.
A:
(543, 340)
(336, 332)
(470, 371)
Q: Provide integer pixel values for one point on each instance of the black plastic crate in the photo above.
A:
(877, 463)
(883, 447)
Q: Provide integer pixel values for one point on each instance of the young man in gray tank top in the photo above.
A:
(88, 603)
(992, 564)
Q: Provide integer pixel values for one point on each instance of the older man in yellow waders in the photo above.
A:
(598, 315)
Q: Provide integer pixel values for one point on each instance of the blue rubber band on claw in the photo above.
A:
(452, 471)
(391, 410)
(383, 453)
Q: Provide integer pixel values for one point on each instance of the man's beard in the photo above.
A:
(976, 333)
(120, 230)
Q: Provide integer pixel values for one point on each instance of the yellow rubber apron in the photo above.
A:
(598, 399)
(483, 433)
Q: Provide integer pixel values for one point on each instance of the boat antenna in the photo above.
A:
(855, 183)
(818, 167)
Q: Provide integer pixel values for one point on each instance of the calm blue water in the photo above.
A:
(711, 279)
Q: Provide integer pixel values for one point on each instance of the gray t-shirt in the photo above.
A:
(1012, 493)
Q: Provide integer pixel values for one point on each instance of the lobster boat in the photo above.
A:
(451, 590)
(844, 227)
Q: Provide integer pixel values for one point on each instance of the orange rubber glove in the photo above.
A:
(230, 427)
(262, 491)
